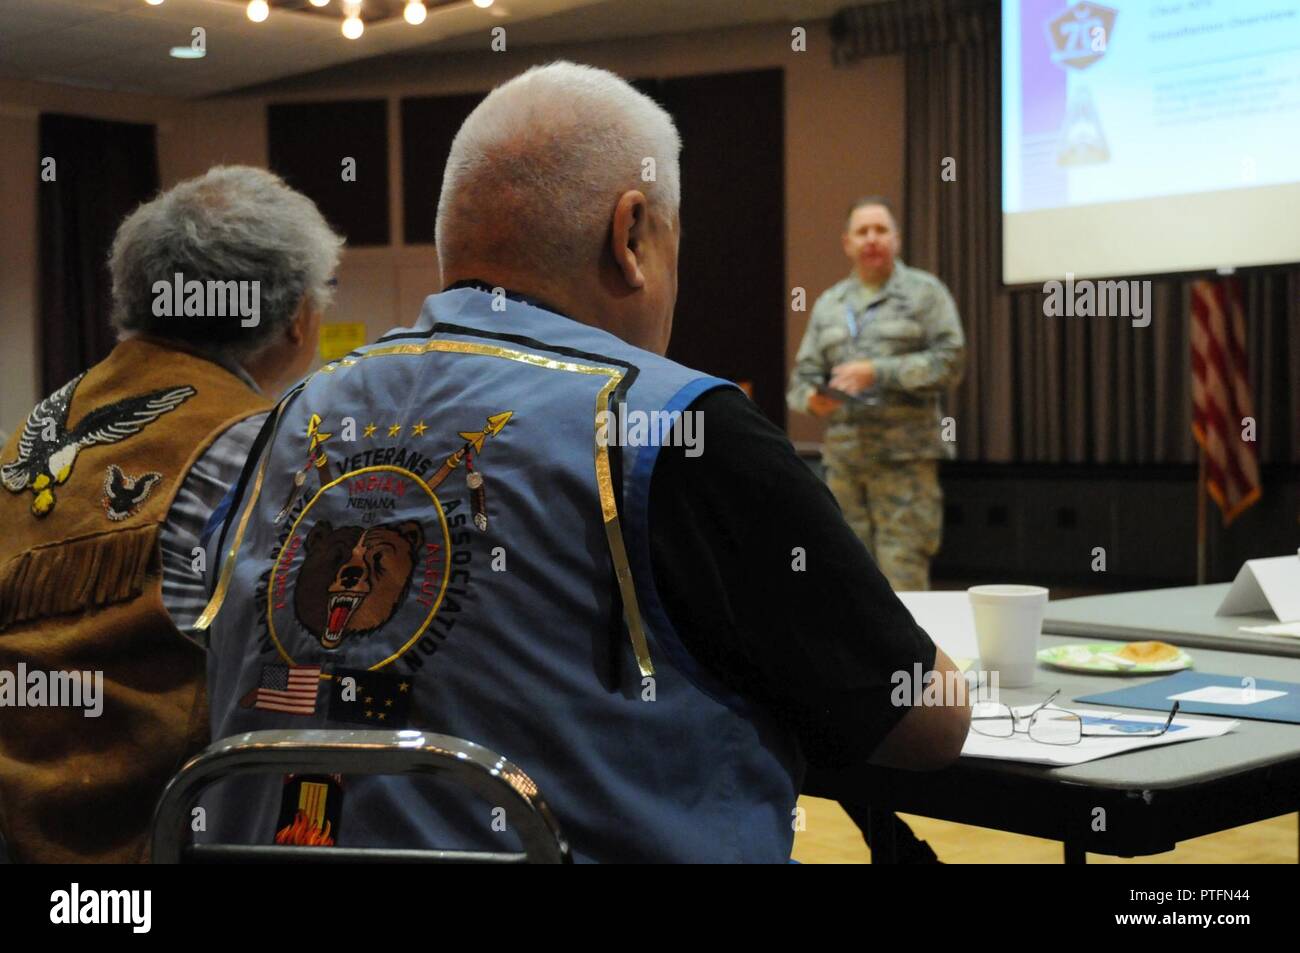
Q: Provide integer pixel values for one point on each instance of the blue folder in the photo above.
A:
(1154, 696)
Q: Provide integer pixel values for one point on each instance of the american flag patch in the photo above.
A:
(288, 688)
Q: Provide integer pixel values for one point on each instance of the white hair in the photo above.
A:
(232, 223)
(535, 171)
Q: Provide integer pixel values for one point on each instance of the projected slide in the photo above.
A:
(1127, 125)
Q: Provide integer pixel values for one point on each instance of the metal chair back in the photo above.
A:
(315, 751)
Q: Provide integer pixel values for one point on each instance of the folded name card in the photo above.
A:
(1266, 585)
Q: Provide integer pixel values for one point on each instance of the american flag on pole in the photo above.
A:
(288, 688)
(1221, 396)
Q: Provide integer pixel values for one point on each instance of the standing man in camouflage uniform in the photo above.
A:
(888, 338)
(882, 346)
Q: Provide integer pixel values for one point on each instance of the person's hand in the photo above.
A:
(853, 377)
(819, 405)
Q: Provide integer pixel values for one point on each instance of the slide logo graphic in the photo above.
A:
(1080, 35)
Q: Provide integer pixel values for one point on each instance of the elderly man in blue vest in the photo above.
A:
(468, 527)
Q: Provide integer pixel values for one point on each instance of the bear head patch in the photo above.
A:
(353, 579)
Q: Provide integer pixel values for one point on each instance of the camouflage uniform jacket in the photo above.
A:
(910, 331)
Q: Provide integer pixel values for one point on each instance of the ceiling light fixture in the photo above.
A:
(154, 3)
(415, 12)
(482, 4)
(320, 3)
(353, 27)
(258, 10)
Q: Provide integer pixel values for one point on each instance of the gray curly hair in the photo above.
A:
(234, 223)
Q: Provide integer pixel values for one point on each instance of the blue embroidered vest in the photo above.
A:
(437, 539)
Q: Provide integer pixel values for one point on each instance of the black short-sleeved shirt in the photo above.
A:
(817, 646)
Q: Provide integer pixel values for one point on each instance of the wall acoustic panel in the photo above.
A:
(429, 123)
(336, 153)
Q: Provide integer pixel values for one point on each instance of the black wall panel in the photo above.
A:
(307, 144)
(429, 123)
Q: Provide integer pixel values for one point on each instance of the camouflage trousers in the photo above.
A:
(896, 508)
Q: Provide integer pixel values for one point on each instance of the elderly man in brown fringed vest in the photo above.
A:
(218, 288)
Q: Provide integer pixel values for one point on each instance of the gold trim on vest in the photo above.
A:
(604, 481)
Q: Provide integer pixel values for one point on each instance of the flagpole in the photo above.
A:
(1200, 515)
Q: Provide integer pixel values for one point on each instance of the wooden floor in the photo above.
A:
(831, 837)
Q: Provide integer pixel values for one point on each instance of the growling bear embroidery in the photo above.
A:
(354, 579)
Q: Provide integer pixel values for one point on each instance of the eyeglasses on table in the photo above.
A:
(1048, 724)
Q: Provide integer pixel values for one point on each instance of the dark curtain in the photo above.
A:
(1040, 389)
(883, 29)
(102, 170)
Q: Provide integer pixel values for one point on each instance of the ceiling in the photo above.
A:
(124, 44)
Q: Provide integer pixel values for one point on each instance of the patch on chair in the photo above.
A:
(311, 808)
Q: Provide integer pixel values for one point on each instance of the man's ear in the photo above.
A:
(626, 235)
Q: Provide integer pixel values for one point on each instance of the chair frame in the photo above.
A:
(316, 751)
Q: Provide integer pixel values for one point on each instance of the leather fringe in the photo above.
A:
(76, 575)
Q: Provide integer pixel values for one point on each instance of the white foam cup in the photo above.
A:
(1008, 623)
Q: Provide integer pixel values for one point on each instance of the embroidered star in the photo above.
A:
(370, 714)
(370, 430)
(388, 703)
(419, 429)
(369, 699)
(394, 430)
(403, 686)
(382, 716)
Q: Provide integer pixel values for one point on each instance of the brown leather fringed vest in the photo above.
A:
(87, 484)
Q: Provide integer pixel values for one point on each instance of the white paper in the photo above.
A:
(947, 617)
(1227, 695)
(1266, 585)
(1020, 747)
